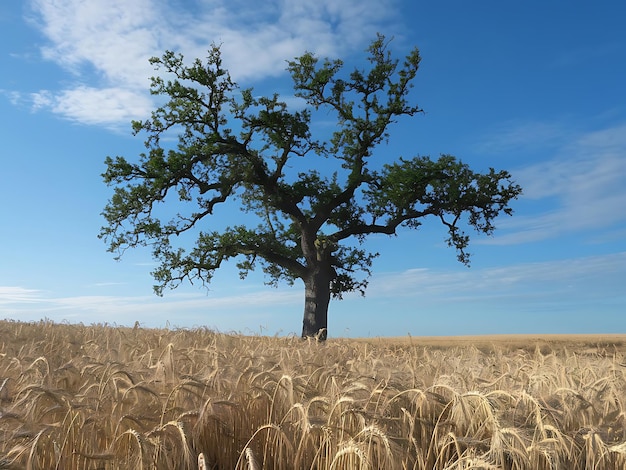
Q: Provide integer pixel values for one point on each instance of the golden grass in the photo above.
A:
(102, 397)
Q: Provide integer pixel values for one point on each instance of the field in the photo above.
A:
(103, 397)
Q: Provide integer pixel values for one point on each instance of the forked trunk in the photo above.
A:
(317, 298)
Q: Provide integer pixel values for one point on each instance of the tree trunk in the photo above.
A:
(317, 298)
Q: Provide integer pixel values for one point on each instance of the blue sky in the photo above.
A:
(536, 88)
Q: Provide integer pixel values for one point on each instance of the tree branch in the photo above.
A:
(389, 228)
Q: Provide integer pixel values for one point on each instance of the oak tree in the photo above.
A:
(234, 147)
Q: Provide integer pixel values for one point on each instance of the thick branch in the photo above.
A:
(389, 228)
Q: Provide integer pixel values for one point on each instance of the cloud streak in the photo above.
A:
(105, 44)
(114, 105)
(590, 277)
(12, 295)
(595, 280)
(31, 304)
(581, 187)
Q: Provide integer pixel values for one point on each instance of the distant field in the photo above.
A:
(617, 341)
(101, 397)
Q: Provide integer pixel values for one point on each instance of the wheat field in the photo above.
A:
(107, 397)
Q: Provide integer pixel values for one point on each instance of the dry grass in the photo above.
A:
(101, 397)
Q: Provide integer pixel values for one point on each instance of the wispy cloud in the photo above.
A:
(24, 303)
(106, 284)
(583, 56)
(113, 37)
(105, 44)
(593, 281)
(115, 105)
(518, 136)
(18, 295)
(589, 276)
(581, 187)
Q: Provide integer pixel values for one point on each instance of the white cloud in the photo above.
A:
(14, 295)
(106, 44)
(258, 37)
(14, 97)
(581, 189)
(515, 136)
(591, 275)
(23, 303)
(113, 105)
(589, 164)
(114, 37)
(595, 281)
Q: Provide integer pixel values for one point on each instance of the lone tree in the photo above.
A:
(234, 146)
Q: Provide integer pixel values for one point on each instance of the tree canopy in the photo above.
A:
(236, 147)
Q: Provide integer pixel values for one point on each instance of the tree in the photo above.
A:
(235, 147)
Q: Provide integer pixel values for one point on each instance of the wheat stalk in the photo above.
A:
(350, 456)
(251, 460)
(86, 396)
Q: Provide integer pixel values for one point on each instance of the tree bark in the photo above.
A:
(317, 298)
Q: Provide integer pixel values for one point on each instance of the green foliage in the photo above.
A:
(409, 190)
(235, 147)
